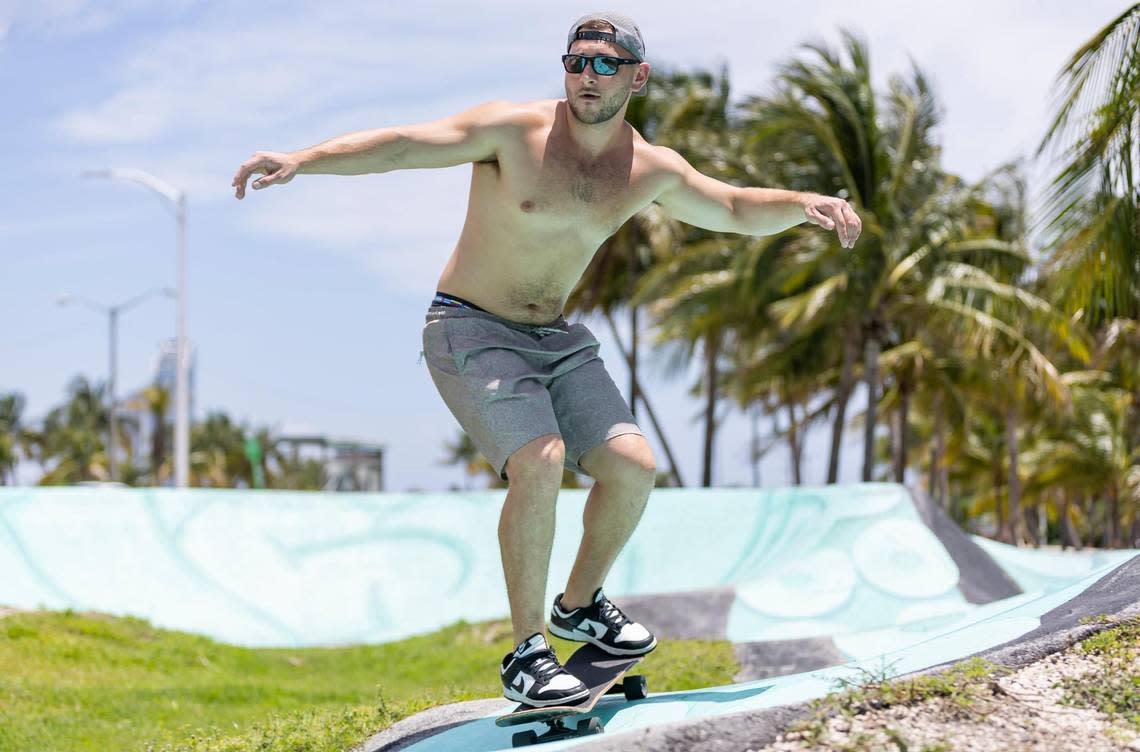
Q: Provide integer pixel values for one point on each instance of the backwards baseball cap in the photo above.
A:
(625, 33)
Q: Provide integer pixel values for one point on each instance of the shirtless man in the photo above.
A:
(550, 181)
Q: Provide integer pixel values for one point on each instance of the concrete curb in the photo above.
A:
(1060, 628)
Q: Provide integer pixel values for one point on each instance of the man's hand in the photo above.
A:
(277, 168)
(833, 213)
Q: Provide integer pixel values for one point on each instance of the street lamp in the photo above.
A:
(112, 313)
(181, 382)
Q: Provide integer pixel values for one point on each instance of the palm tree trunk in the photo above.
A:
(999, 503)
(1114, 521)
(900, 436)
(1106, 525)
(1016, 517)
(1069, 535)
(871, 378)
(1088, 504)
(673, 470)
(754, 424)
(1060, 501)
(1033, 516)
(937, 450)
(712, 349)
(944, 477)
(842, 396)
(795, 450)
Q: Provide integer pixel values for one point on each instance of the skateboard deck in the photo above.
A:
(602, 673)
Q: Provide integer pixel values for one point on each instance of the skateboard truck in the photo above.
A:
(558, 727)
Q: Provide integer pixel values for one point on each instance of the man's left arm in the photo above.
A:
(700, 200)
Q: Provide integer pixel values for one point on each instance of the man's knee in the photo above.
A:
(539, 460)
(625, 459)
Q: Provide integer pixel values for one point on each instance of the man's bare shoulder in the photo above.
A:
(660, 157)
(663, 164)
(523, 114)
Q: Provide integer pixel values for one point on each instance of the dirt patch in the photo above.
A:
(1022, 710)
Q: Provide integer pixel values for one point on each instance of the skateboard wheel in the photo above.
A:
(524, 738)
(636, 687)
(589, 726)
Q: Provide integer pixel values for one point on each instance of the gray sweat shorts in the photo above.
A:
(507, 383)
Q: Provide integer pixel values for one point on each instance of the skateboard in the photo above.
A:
(603, 673)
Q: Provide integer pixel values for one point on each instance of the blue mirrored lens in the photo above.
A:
(605, 66)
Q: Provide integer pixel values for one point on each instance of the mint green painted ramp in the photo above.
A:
(867, 575)
(273, 568)
(981, 628)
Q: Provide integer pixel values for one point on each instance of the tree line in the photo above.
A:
(993, 342)
(70, 445)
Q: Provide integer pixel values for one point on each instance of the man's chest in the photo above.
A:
(547, 185)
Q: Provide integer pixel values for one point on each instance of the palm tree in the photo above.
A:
(1091, 221)
(463, 452)
(925, 263)
(157, 400)
(824, 128)
(217, 453)
(69, 444)
(1092, 211)
(1089, 453)
(11, 432)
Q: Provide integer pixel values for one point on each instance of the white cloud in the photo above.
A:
(68, 19)
(190, 102)
(399, 226)
(274, 71)
(128, 116)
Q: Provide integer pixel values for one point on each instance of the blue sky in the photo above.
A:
(306, 301)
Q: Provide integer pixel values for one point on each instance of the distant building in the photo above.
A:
(166, 372)
(348, 465)
(135, 419)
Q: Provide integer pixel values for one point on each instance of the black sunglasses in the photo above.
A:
(604, 65)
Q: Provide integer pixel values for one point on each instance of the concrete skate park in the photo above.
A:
(811, 585)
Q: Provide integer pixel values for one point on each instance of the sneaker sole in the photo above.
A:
(583, 637)
(511, 694)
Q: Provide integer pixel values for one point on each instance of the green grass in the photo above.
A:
(1117, 692)
(77, 682)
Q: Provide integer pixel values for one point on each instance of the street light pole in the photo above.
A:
(182, 375)
(182, 356)
(112, 313)
(113, 322)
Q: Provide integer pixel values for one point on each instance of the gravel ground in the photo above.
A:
(1019, 711)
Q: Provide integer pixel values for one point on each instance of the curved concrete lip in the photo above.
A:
(810, 584)
(1009, 617)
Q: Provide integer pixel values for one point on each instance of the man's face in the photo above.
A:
(594, 98)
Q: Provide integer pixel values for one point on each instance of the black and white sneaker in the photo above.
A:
(603, 624)
(532, 675)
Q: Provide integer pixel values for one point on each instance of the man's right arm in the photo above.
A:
(474, 135)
